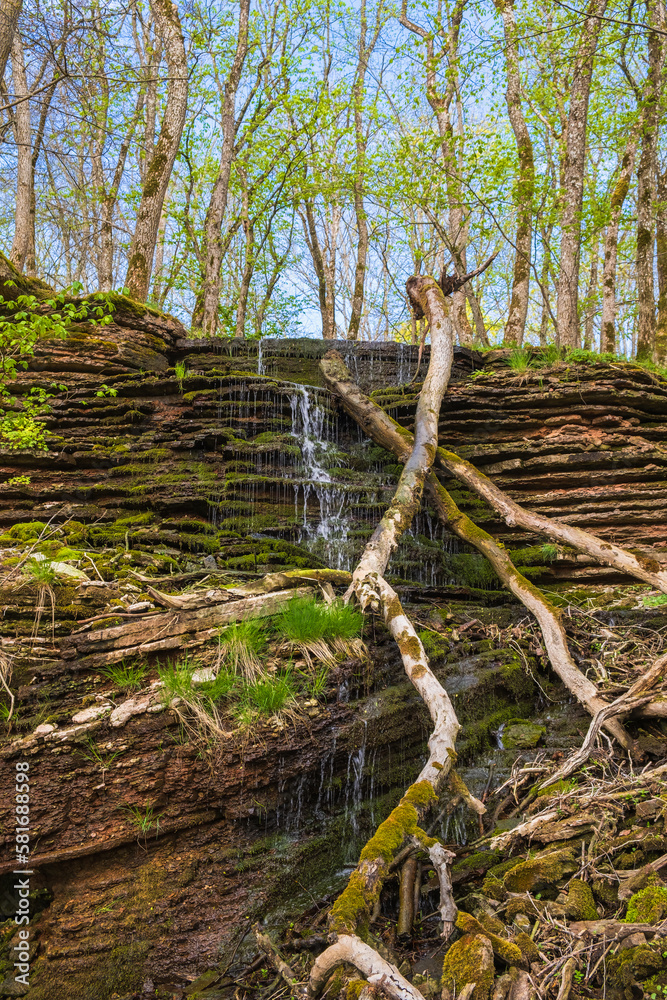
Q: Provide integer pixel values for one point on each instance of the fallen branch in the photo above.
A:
(386, 432)
(356, 903)
(630, 700)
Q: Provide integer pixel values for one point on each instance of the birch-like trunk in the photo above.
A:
(572, 192)
(24, 174)
(205, 315)
(525, 186)
(142, 248)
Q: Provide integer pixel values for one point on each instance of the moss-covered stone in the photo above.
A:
(629, 968)
(538, 873)
(522, 734)
(528, 948)
(648, 906)
(505, 950)
(580, 904)
(469, 960)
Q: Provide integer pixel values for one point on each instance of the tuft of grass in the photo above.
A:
(143, 819)
(40, 572)
(549, 552)
(271, 694)
(197, 708)
(181, 373)
(241, 646)
(126, 676)
(519, 359)
(323, 631)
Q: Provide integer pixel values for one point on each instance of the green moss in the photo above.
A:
(580, 904)
(469, 960)
(353, 989)
(630, 967)
(528, 948)
(522, 734)
(350, 912)
(565, 785)
(26, 531)
(541, 872)
(648, 906)
(479, 862)
(503, 949)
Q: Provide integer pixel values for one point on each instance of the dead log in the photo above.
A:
(172, 630)
(386, 432)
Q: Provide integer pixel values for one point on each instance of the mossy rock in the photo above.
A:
(503, 949)
(580, 904)
(469, 960)
(522, 734)
(648, 906)
(629, 968)
(528, 948)
(541, 872)
(605, 892)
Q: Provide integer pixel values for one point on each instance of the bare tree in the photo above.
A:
(22, 133)
(572, 193)
(618, 195)
(205, 314)
(364, 52)
(10, 11)
(525, 187)
(142, 249)
(646, 187)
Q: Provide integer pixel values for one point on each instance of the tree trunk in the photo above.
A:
(618, 195)
(205, 315)
(323, 270)
(249, 264)
(9, 19)
(573, 178)
(24, 175)
(646, 174)
(591, 292)
(142, 249)
(661, 247)
(525, 187)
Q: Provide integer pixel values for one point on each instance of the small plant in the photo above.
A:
(181, 373)
(104, 762)
(547, 356)
(316, 684)
(144, 819)
(18, 481)
(654, 600)
(519, 359)
(127, 677)
(241, 646)
(196, 706)
(549, 552)
(41, 573)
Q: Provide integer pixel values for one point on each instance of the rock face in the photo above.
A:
(151, 855)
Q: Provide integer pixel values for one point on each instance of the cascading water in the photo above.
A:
(312, 428)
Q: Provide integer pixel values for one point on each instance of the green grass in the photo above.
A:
(40, 572)
(307, 620)
(242, 645)
(143, 819)
(519, 359)
(126, 676)
(271, 694)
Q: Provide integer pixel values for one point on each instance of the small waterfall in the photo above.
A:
(354, 782)
(312, 428)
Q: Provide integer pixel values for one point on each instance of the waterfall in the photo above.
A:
(311, 427)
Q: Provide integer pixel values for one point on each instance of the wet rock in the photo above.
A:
(522, 734)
